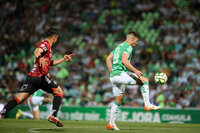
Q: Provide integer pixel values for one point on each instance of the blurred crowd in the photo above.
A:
(87, 27)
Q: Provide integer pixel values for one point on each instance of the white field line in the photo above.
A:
(35, 130)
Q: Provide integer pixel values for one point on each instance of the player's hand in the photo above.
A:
(68, 57)
(43, 62)
(138, 73)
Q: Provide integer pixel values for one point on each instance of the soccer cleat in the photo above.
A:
(109, 127)
(55, 121)
(151, 107)
(115, 127)
(18, 114)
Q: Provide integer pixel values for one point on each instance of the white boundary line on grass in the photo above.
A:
(34, 130)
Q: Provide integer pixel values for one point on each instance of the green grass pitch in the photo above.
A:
(43, 126)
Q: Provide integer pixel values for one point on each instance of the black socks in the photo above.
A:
(10, 105)
(56, 104)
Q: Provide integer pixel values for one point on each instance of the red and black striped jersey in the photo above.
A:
(37, 70)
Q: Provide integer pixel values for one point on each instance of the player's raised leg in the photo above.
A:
(145, 93)
(13, 103)
(58, 95)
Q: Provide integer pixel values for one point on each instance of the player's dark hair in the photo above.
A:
(51, 32)
(133, 33)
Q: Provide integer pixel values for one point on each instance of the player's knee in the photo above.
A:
(119, 99)
(143, 79)
(58, 91)
(146, 80)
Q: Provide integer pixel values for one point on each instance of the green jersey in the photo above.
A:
(117, 65)
(38, 93)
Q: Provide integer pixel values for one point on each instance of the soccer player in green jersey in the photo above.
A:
(123, 73)
(38, 98)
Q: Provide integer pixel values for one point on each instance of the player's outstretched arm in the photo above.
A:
(109, 61)
(129, 66)
(65, 58)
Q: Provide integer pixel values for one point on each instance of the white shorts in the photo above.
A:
(36, 101)
(120, 82)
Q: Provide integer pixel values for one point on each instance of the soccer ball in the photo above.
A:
(160, 78)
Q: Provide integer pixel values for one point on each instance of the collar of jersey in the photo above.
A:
(45, 41)
(126, 43)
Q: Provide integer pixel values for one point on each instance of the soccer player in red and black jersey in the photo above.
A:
(39, 78)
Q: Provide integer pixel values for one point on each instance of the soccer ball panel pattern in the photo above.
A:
(160, 78)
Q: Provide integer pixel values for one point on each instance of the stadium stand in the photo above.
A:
(169, 41)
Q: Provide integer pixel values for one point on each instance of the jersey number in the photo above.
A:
(115, 58)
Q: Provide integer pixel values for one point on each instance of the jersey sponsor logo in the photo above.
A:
(24, 87)
(43, 47)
